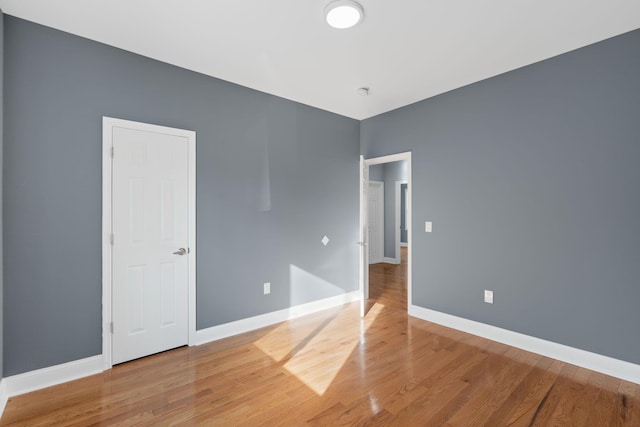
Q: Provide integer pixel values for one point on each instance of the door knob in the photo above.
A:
(181, 251)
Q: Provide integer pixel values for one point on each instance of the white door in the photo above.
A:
(150, 225)
(376, 222)
(364, 235)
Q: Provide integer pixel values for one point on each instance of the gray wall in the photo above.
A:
(263, 167)
(531, 180)
(376, 173)
(1, 187)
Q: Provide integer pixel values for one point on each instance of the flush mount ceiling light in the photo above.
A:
(343, 14)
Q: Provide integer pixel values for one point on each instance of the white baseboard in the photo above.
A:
(3, 396)
(403, 244)
(215, 333)
(46, 377)
(391, 260)
(53, 375)
(585, 359)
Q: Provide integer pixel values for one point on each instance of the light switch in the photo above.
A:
(488, 297)
(428, 226)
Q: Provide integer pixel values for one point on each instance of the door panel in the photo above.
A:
(169, 289)
(135, 299)
(150, 223)
(167, 211)
(364, 235)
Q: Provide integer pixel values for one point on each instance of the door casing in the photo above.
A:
(364, 206)
(108, 123)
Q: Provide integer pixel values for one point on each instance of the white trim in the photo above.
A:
(108, 123)
(403, 244)
(364, 279)
(106, 243)
(58, 374)
(363, 252)
(53, 375)
(396, 229)
(390, 159)
(391, 260)
(215, 333)
(585, 359)
(193, 253)
(3, 396)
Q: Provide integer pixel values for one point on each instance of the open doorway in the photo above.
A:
(390, 278)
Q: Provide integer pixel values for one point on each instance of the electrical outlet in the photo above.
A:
(488, 297)
(267, 288)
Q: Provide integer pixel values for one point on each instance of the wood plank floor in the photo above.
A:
(332, 368)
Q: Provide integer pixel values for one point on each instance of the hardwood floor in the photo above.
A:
(333, 368)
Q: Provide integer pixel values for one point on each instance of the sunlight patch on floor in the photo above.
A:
(309, 352)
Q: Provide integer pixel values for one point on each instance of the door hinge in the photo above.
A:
(111, 327)
(111, 239)
(113, 151)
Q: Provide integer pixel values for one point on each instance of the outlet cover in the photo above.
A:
(267, 288)
(488, 297)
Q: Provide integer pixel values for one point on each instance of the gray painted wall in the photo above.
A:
(376, 173)
(263, 167)
(1, 188)
(531, 180)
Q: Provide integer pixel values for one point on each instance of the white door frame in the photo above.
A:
(108, 124)
(364, 205)
(398, 219)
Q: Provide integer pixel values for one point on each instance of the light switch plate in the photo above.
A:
(488, 297)
(267, 288)
(428, 226)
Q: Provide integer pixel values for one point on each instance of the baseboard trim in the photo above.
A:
(585, 359)
(53, 375)
(58, 374)
(3, 396)
(226, 330)
(391, 260)
(403, 244)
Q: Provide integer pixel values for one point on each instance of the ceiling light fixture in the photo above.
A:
(343, 14)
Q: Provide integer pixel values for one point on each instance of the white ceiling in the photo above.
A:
(404, 50)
